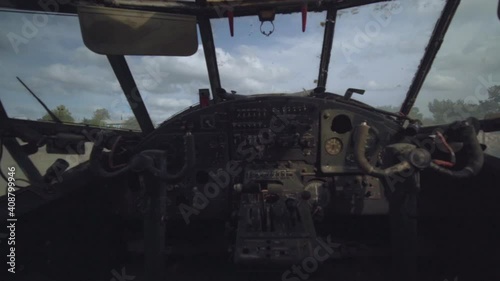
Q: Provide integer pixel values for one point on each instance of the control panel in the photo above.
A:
(285, 144)
(275, 131)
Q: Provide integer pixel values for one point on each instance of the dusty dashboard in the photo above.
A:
(286, 143)
(277, 128)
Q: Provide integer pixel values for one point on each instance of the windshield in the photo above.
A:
(47, 53)
(376, 47)
(287, 61)
(465, 77)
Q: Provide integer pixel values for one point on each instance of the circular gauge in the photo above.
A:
(333, 146)
(319, 192)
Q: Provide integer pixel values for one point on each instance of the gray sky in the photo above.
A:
(377, 48)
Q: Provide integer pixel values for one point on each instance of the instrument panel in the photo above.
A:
(275, 128)
(284, 144)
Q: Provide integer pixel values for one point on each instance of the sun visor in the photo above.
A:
(111, 31)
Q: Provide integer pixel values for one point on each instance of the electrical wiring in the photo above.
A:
(452, 161)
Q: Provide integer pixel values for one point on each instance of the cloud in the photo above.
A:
(161, 108)
(24, 112)
(373, 85)
(349, 71)
(443, 83)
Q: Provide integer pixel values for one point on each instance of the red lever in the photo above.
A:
(204, 97)
(230, 17)
(304, 17)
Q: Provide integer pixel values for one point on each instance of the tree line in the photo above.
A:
(443, 111)
(99, 118)
(446, 110)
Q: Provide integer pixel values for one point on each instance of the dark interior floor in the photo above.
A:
(464, 249)
(79, 238)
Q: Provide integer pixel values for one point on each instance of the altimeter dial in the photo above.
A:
(333, 146)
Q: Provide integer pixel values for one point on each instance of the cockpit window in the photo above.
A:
(286, 61)
(47, 54)
(378, 47)
(464, 80)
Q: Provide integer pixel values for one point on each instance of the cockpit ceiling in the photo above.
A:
(239, 7)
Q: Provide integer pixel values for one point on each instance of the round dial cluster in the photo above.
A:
(333, 146)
